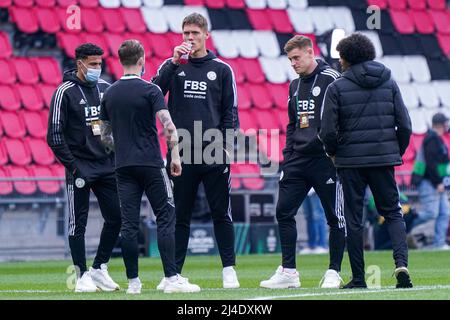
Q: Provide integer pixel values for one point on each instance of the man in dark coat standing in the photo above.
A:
(365, 131)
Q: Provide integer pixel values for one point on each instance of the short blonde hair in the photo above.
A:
(298, 41)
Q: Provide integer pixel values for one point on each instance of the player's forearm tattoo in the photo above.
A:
(170, 131)
(106, 135)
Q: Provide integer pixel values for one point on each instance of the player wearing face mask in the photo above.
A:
(74, 136)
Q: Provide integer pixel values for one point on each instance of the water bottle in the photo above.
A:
(185, 57)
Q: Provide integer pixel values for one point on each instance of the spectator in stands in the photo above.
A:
(74, 136)
(430, 172)
(316, 224)
(365, 130)
(306, 166)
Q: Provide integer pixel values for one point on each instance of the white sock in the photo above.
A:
(228, 269)
(290, 270)
(172, 278)
(134, 280)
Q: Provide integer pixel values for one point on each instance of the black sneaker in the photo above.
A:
(355, 285)
(403, 279)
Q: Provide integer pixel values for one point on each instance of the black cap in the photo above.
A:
(439, 118)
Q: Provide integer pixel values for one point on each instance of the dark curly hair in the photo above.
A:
(356, 48)
(87, 49)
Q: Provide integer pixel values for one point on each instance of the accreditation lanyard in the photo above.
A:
(84, 97)
(309, 95)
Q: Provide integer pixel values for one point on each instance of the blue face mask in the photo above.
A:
(92, 75)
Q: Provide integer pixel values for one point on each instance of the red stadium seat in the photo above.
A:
(235, 4)
(9, 98)
(114, 41)
(44, 116)
(446, 138)
(26, 70)
(114, 67)
(8, 72)
(12, 124)
(113, 20)
(380, 3)
(98, 39)
(160, 45)
(91, 20)
(259, 19)
(238, 72)
(194, 2)
(244, 99)
(437, 4)
(5, 46)
(69, 42)
(402, 21)
(40, 151)
(34, 124)
(280, 21)
(46, 91)
(25, 19)
(18, 152)
(398, 4)
(252, 70)
(279, 93)
(87, 3)
(403, 173)
(45, 3)
(66, 3)
(410, 153)
(6, 188)
(66, 20)
(235, 181)
(22, 187)
(24, 3)
(58, 170)
(260, 96)
(423, 22)
(215, 4)
(441, 20)
(247, 121)
(417, 140)
(444, 42)
(272, 146)
(48, 20)
(3, 154)
(256, 183)
(283, 119)
(47, 187)
(30, 97)
(266, 119)
(134, 20)
(5, 3)
(417, 4)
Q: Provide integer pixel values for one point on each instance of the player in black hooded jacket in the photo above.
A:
(74, 136)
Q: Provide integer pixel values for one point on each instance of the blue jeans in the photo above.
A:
(316, 224)
(435, 205)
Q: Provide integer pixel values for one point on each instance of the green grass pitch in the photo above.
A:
(48, 280)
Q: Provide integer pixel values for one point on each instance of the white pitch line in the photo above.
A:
(358, 291)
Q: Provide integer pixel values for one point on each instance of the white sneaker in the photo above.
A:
(162, 284)
(444, 247)
(282, 280)
(85, 284)
(230, 280)
(306, 250)
(134, 286)
(331, 279)
(180, 285)
(319, 250)
(102, 279)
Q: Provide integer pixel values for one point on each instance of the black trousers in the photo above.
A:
(299, 175)
(132, 182)
(384, 189)
(217, 182)
(105, 189)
